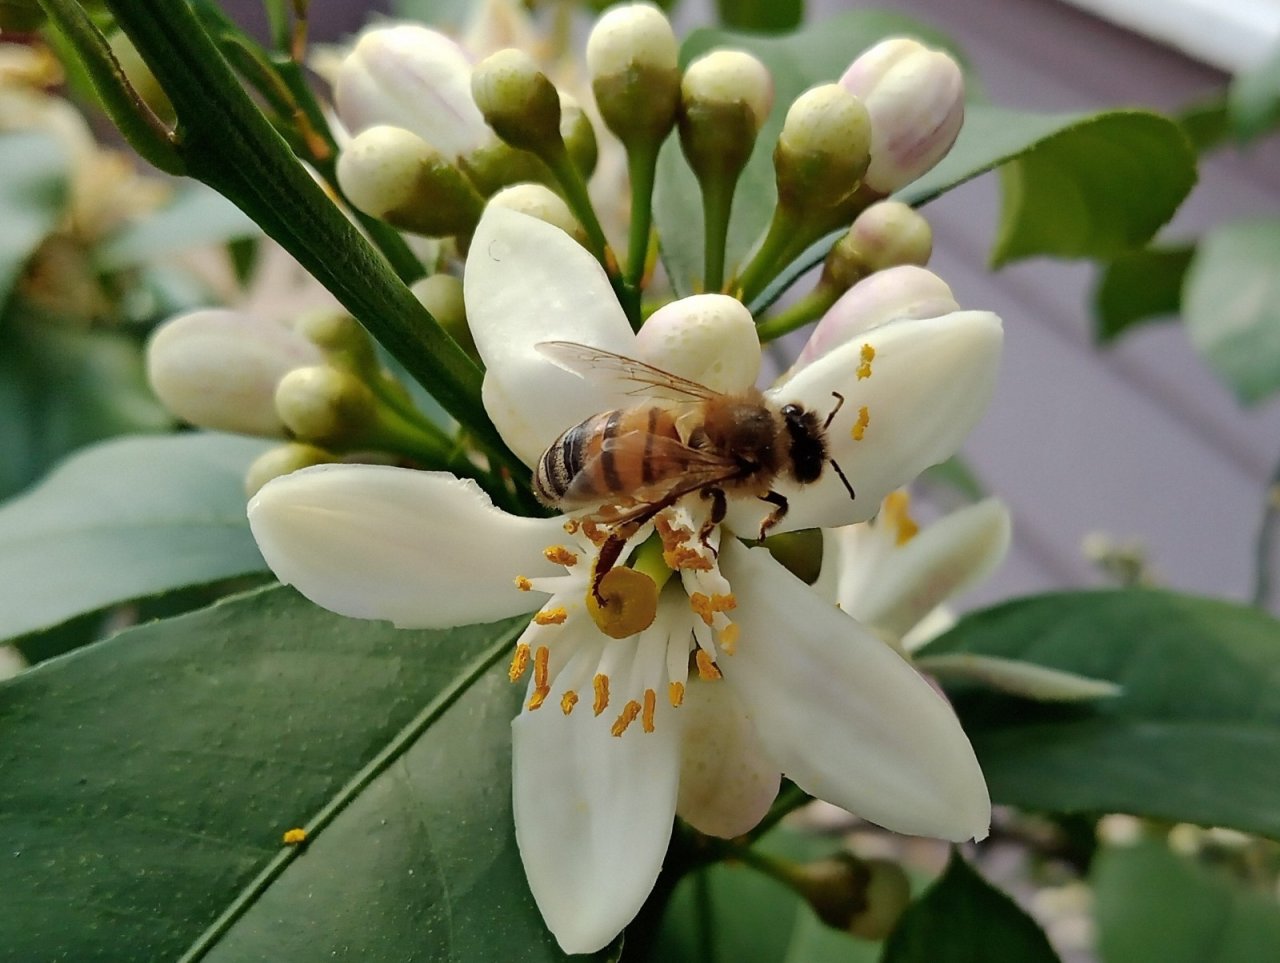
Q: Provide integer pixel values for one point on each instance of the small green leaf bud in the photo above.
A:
(865, 898)
(325, 405)
(344, 342)
(538, 200)
(823, 149)
(396, 176)
(441, 294)
(632, 57)
(579, 135)
(915, 97)
(885, 235)
(219, 369)
(517, 100)
(282, 461)
(725, 97)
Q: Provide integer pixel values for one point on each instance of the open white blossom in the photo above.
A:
(740, 671)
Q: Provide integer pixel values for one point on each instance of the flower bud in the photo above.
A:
(398, 177)
(887, 234)
(497, 164)
(579, 135)
(632, 57)
(344, 342)
(325, 405)
(538, 200)
(281, 461)
(219, 369)
(823, 149)
(915, 97)
(898, 292)
(517, 100)
(707, 338)
(725, 98)
(441, 294)
(863, 898)
(411, 77)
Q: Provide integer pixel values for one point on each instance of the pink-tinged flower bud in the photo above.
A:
(915, 97)
(632, 58)
(219, 369)
(411, 77)
(899, 292)
(890, 233)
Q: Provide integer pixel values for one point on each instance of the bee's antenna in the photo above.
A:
(840, 472)
(827, 424)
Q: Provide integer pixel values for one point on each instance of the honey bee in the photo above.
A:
(631, 463)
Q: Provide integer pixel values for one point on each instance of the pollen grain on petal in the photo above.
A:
(860, 426)
(675, 694)
(650, 707)
(600, 688)
(523, 584)
(708, 671)
(627, 716)
(554, 616)
(571, 526)
(560, 556)
(728, 638)
(865, 358)
(519, 662)
(568, 701)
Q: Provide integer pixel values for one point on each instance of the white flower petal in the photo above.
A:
(1017, 677)
(593, 817)
(526, 282)
(941, 560)
(727, 781)
(421, 549)
(929, 383)
(846, 717)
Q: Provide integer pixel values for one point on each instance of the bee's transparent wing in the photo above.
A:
(633, 377)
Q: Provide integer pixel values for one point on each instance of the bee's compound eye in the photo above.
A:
(792, 410)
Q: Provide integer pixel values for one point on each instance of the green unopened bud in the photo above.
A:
(281, 461)
(497, 164)
(632, 57)
(541, 202)
(823, 150)
(865, 898)
(725, 97)
(344, 342)
(140, 77)
(325, 405)
(441, 294)
(398, 177)
(517, 100)
(579, 135)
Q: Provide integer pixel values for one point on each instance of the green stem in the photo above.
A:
(642, 164)
(791, 798)
(769, 256)
(144, 131)
(808, 308)
(717, 204)
(228, 144)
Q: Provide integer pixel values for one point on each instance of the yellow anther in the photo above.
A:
(623, 602)
(571, 526)
(650, 706)
(523, 584)
(551, 616)
(600, 685)
(868, 355)
(519, 662)
(729, 638)
(595, 534)
(860, 426)
(896, 509)
(683, 557)
(293, 837)
(541, 659)
(675, 694)
(538, 698)
(707, 669)
(568, 701)
(560, 556)
(625, 717)
(706, 606)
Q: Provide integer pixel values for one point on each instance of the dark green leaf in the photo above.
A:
(1195, 735)
(33, 192)
(1205, 124)
(61, 389)
(149, 778)
(1139, 286)
(964, 919)
(1254, 99)
(1155, 906)
(1231, 302)
(764, 16)
(124, 520)
(197, 215)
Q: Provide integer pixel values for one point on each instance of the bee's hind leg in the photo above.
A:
(718, 510)
(780, 506)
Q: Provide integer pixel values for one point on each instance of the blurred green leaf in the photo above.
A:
(445, 14)
(124, 520)
(1139, 286)
(1155, 906)
(1253, 100)
(1206, 124)
(964, 919)
(149, 778)
(33, 193)
(763, 16)
(197, 215)
(955, 474)
(1194, 736)
(61, 389)
(1231, 303)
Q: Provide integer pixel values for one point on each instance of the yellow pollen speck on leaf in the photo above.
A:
(729, 637)
(627, 716)
(600, 685)
(708, 671)
(560, 556)
(867, 356)
(519, 662)
(293, 837)
(897, 511)
(568, 701)
(523, 584)
(650, 707)
(860, 426)
(675, 694)
(551, 616)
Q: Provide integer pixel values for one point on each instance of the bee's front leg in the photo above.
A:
(719, 509)
(780, 506)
